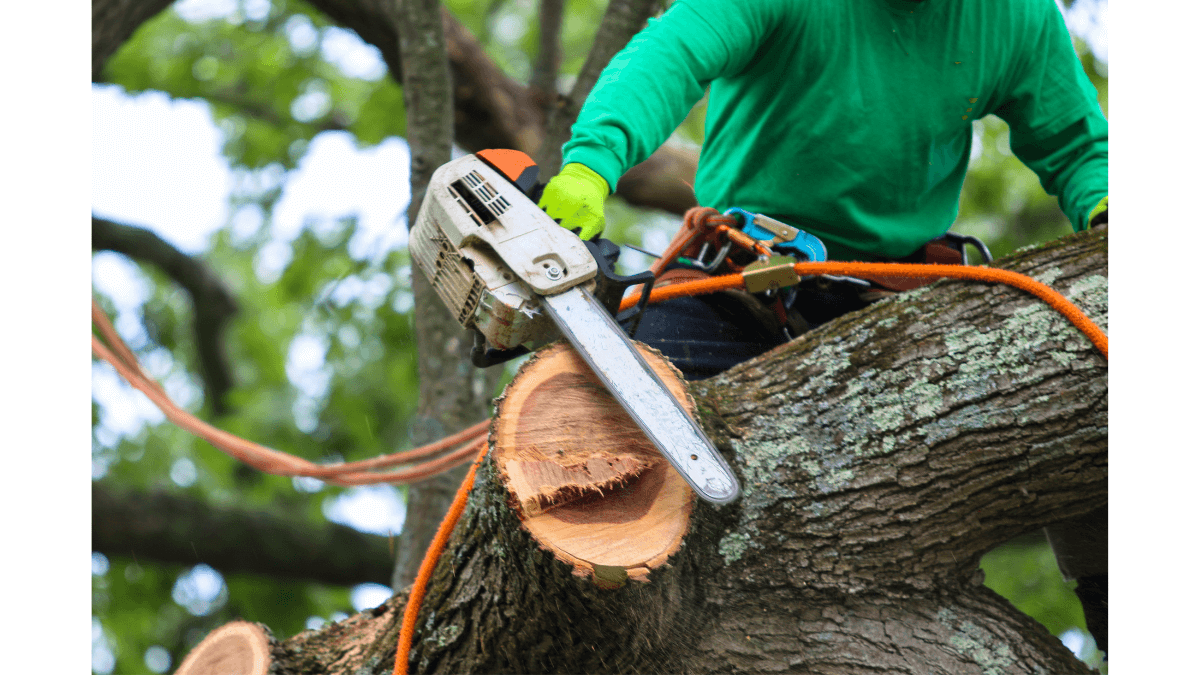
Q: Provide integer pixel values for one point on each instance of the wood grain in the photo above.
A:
(582, 477)
(237, 648)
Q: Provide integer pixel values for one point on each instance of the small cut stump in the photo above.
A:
(581, 476)
(237, 648)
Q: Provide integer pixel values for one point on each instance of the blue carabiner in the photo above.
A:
(805, 244)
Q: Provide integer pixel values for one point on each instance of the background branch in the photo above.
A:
(452, 395)
(175, 528)
(544, 79)
(622, 20)
(212, 300)
(113, 21)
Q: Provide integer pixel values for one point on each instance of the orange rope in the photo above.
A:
(986, 274)
(273, 461)
(409, 623)
(352, 473)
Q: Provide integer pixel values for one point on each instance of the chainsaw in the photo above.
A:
(509, 272)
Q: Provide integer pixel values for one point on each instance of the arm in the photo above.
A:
(1057, 127)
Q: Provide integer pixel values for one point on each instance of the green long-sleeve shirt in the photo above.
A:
(851, 118)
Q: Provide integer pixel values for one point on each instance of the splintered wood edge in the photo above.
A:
(567, 516)
(237, 647)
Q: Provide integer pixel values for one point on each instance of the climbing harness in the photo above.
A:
(760, 270)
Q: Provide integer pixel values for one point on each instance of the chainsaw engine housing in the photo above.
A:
(490, 252)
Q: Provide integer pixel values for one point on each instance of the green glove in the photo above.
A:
(575, 198)
(1099, 214)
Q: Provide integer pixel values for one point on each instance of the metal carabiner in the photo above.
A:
(780, 236)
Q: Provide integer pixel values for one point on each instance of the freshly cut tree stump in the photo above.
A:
(582, 477)
(237, 648)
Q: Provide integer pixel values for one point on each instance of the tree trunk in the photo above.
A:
(452, 394)
(880, 457)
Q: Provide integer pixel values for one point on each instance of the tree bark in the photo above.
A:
(880, 457)
(544, 78)
(113, 22)
(173, 528)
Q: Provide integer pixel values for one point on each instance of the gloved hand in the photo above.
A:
(1099, 214)
(575, 198)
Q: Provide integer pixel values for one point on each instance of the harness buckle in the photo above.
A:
(766, 276)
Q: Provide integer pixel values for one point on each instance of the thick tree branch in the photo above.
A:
(213, 302)
(491, 110)
(664, 181)
(937, 424)
(880, 456)
(175, 528)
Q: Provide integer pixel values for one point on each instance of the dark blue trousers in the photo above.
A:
(706, 334)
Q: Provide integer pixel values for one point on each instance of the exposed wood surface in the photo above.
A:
(237, 648)
(582, 477)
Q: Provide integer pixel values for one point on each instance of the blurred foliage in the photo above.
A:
(357, 313)
(266, 80)
(272, 86)
(133, 594)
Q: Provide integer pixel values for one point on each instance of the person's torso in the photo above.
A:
(854, 118)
